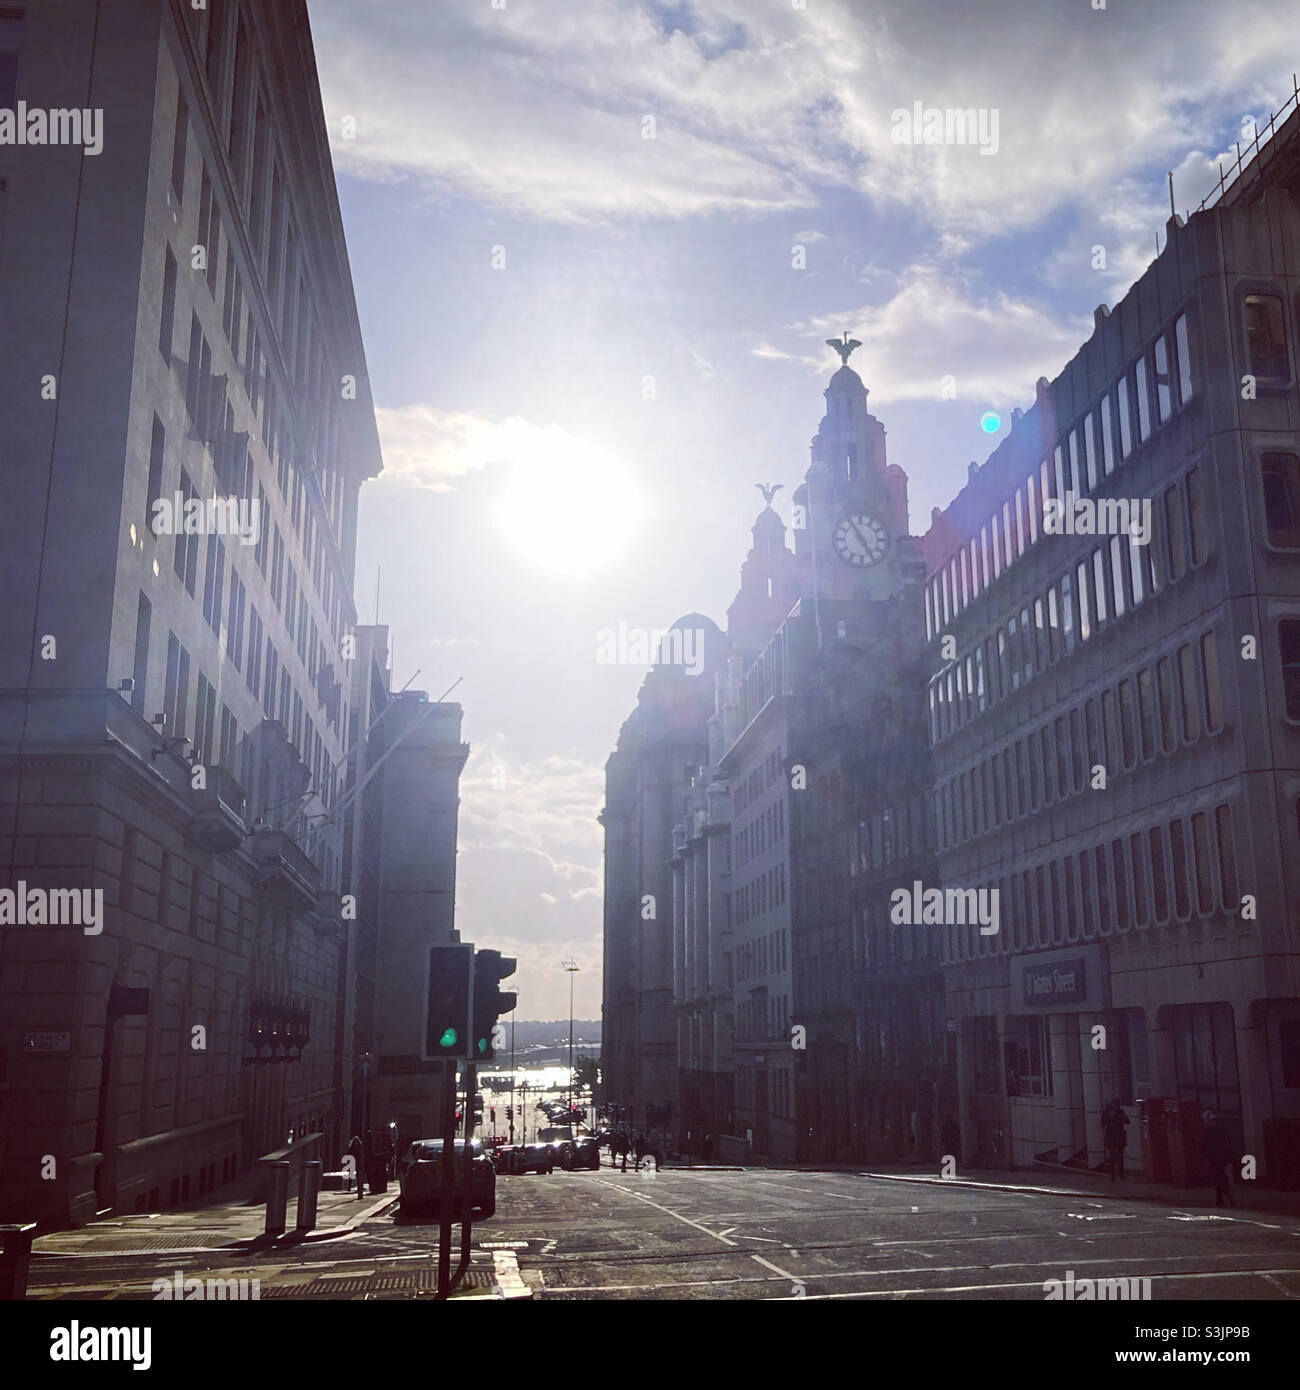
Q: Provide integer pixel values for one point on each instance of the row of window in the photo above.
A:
(765, 955)
(757, 781)
(1178, 871)
(894, 833)
(1160, 378)
(760, 895)
(1146, 715)
(764, 830)
(763, 1019)
(1116, 578)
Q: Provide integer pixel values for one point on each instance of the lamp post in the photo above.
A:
(367, 1062)
(572, 967)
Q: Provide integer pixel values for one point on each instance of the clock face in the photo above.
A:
(861, 541)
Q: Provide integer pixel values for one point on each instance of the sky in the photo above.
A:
(597, 247)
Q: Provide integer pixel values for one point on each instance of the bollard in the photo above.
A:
(277, 1196)
(15, 1256)
(308, 1192)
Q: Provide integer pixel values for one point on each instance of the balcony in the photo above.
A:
(217, 812)
(284, 869)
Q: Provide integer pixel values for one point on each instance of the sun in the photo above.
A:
(565, 506)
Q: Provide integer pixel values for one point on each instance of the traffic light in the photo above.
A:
(447, 1009)
(494, 1114)
(490, 1003)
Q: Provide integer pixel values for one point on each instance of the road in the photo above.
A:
(764, 1234)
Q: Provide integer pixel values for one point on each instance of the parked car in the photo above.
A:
(424, 1180)
(532, 1158)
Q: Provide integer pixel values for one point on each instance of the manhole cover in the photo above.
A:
(420, 1281)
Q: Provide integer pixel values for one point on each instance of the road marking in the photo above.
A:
(667, 1211)
(729, 1230)
(776, 1269)
(1286, 1293)
(931, 1290)
(770, 1240)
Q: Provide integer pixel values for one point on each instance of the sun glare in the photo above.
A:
(565, 507)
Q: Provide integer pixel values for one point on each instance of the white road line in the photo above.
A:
(729, 1230)
(769, 1240)
(931, 1290)
(677, 1216)
(776, 1269)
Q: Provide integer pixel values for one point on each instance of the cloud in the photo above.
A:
(430, 448)
(809, 238)
(938, 324)
(542, 107)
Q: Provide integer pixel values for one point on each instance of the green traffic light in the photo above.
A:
(482, 1044)
(449, 1039)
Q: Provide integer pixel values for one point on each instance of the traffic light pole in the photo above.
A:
(467, 1196)
(448, 1158)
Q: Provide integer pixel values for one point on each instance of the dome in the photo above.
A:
(769, 525)
(846, 379)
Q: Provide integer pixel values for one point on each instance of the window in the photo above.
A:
(1110, 726)
(1163, 380)
(153, 490)
(11, 42)
(1196, 516)
(1121, 885)
(1085, 622)
(1132, 556)
(1092, 721)
(185, 558)
(1141, 907)
(1187, 679)
(1146, 713)
(1067, 614)
(1075, 480)
(1178, 867)
(1053, 624)
(1060, 473)
(1265, 329)
(1210, 683)
(1181, 345)
(1118, 549)
(1040, 634)
(1288, 641)
(1201, 856)
(1127, 722)
(1062, 758)
(1049, 782)
(1143, 399)
(1165, 700)
(167, 323)
(1125, 418)
(140, 669)
(1029, 1071)
(176, 689)
(1078, 749)
(1107, 444)
(1159, 884)
(1032, 505)
(1099, 583)
(1090, 451)
(1205, 1056)
(1227, 858)
(1175, 535)
(1280, 474)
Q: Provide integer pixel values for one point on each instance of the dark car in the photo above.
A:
(582, 1152)
(424, 1179)
(533, 1158)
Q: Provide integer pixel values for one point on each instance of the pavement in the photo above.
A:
(714, 1232)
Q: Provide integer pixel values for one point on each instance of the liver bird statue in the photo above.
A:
(844, 347)
(769, 490)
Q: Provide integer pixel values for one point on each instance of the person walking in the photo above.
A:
(638, 1147)
(356, 1152)
(1216, 1148)
(1113, 1124)
(620, 1148)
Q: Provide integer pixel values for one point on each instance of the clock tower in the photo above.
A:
(852, 503)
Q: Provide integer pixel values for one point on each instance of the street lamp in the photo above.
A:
(572, 967)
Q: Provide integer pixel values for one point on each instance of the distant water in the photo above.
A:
(548, 1078)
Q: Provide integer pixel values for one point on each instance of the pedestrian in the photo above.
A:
(356, 1152)
(639, 1147)
(950, 1137)
(1216, 1147)
(1113, 1124)
(707, 1147)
